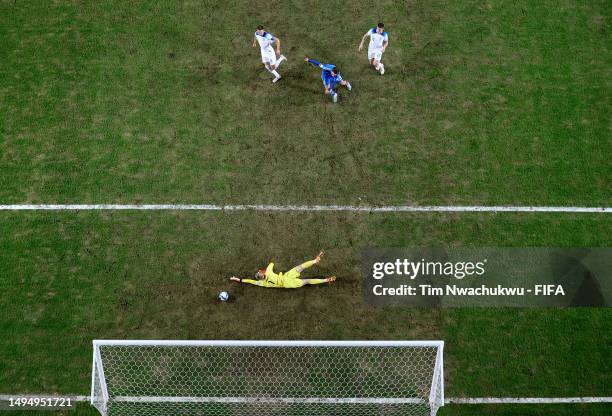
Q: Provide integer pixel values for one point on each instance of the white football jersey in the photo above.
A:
(265, 41)
(377, 39)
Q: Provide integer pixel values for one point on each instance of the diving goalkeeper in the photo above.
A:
(288, 280)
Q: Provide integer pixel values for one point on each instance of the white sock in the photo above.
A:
(377, 66)
(282, 58)
(276, 74)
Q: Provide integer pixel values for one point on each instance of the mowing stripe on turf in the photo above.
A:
(299, 208)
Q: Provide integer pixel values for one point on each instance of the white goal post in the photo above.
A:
(289, 378)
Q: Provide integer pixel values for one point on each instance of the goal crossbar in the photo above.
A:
(228, 343)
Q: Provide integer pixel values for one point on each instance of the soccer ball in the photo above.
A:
(224, 296)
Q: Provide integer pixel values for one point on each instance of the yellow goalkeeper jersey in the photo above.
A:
(289, 280)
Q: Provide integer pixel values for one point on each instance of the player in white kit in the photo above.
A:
(268, 55)
(379, 40)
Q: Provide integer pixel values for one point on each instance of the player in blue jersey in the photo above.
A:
(331, 78)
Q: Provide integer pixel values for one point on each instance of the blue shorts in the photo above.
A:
(326, 81)
(333, 90)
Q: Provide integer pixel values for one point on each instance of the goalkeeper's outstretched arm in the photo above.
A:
(263, 283)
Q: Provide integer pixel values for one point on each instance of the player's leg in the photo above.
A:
(296, 283)
(378, 60)
(372, 58)
(346, 84)
(271, 64)
(273, 71)
(334, 95)
(304, 266)
(266, 65)
(278, 62)
(329, 279)
(293, 283)
(297, 270)
(381, 67)
(264, 61)
(375, 56)
(277, 76)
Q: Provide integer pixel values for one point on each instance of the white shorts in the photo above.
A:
(375, 54)
(268, 57)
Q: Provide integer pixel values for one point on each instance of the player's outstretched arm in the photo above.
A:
(240, 280)
(261, 283)
(278, 43)
(363, 40)
(254, 41)
(313, 62)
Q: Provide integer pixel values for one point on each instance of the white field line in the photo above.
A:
(526, 400)
(299, 208)
(452, 400)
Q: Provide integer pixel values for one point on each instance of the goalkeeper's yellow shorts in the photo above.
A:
(291, 279)
(292, 274)
(293, 282)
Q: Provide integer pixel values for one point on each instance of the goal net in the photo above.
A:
(288, 378)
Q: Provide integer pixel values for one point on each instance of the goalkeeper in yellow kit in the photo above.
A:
(288, 280)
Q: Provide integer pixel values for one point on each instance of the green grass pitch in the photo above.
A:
(483, 103)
